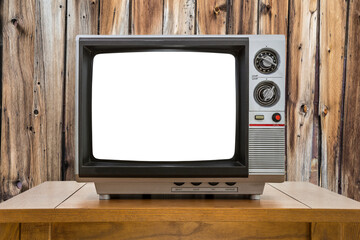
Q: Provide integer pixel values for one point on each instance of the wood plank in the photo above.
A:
(315, 196)
(9, 231)
(335, 231)
(82, 18)
(114, 17)
(87, 198)
(211, 16)
(301, 89)
(243, 17)
(273, 17)
(47, 87)
(181, 230)
(152, 11)
(17, 112)
(45, 196)
(351, 150)
(36, 231)
(332, 42)
(179, 17)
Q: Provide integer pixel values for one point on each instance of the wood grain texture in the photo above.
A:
(36, 231)
(335, 231)
(315, 196)
(181, 230)
(114, 17)
(273, 17)
(9, 231)
(351, 150)
(17, 112)
(45, 196)
(243, 17)
(211, 16)
(82, 18)
(332, 41)
(48, 82)
(152, 11)
(301, 89)
(179, 17)
(74, 204)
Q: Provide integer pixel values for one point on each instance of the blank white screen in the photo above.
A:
(163, 106)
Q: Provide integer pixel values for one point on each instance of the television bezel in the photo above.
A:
(89, 166)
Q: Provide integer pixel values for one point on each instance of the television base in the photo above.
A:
(251, 186)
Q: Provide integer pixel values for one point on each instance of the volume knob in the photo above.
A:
(266, 93)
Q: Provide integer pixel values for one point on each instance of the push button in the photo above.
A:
(276, 117)
(259, 117)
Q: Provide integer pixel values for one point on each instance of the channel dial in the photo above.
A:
(266, 61)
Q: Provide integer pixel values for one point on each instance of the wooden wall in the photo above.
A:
(38, 74)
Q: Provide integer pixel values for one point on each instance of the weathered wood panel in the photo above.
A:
(17, 112)
(179, 17)
(114, 17)
(332, 43)
(301, 88)
(82, 18)
(181, 230)
(273, 17)
(48, 91)
(243, 17)
(152, 11)
(9, 231)
(351, 150)
(37, 124)
(211, 16)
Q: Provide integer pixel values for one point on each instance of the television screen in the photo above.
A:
(163, 106)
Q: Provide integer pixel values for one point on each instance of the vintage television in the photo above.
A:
(180, 114)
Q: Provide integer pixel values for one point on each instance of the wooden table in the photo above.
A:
(70, 210)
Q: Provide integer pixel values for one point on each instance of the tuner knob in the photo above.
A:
(266, 61)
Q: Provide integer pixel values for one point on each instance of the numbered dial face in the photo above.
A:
(266, 94)
(266, 61)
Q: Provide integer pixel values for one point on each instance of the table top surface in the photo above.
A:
(78, 202)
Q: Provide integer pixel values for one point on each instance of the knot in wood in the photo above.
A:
(14, 22)
(19, 184)
(304, 108)
(217, 10)
(325, 111)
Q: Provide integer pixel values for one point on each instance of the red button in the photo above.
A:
(276, 117)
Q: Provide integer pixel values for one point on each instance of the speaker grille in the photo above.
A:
(266, 94)
(266, 149)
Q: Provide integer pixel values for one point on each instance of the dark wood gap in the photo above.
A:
(195, 19)
(163, 15)
(99, 13)
(258, 17)
(286, 77)
(130, 17)
(343, 99)
(64, 164)
(317, 138)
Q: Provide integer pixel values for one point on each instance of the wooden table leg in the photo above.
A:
(35, 231)
(335, 231)
(9, 231)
